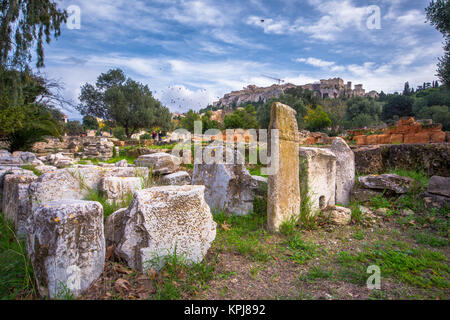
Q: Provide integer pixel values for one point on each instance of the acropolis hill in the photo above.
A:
(331, 88)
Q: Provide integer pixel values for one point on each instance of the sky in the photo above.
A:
(192, 52)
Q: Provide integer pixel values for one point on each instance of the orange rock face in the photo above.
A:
(407, 131)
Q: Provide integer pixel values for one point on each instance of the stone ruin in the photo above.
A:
(406, 131)
(67, 236)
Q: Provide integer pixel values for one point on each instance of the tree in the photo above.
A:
(26, 24)
(438, 14)
(27, 114)
(188, 121)
(242, 118)
(407, 90)
(439, 114)
(128, 103)
(362, 112)
(295, 102)
(397, 105)
(208, 124)
(317, 119)
(90, 123)
(73, 128)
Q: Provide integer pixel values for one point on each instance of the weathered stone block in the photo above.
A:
(318, 176)
(162, 163)
(117, 188)
(345, 170)
(15, 199)
(163, 221)
(53, 186)
(66, 245)
(439, 185)
(283, 186)
(229, 187)
(393, 182)
(180, 178)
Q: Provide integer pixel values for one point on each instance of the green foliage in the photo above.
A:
(90, 123)
(317, 119)
(439, 114)
(16, 273)
(301, 251)
(297, 102)
(109, 208)
(128, 103)
(362, 112)
(24, 26)
(33, 169)
(119, 133)
(188, 121)
(181, 278)
(438, 14)
(242, 118)
(397, 105)
(23, 120)
(418, 267)
(73, 128)
(431, 240)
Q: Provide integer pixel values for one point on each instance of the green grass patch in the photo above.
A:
(300, 251)
(430, 240)
(416, 266)
(109, 208)
(16, 273)
(178, 279)
(33, 169)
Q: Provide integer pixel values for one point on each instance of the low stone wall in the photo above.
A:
(407, 131)
(431, 158)
(87, 147)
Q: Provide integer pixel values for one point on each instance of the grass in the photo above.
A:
(300, 251)
(109, 208)
(130, 160)
(419, 267)
(33, 169)
(16, 273)
(178, 278)
(430, 240)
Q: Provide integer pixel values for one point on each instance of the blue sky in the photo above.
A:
(194, 51)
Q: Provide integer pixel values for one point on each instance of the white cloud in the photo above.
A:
(316, 62)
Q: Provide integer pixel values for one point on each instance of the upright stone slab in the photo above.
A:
(345, 170)
(53, 186)
(318, 177)
(66, 245)
(283, 186)
(161, 221)
(229, 186)
(16, 199)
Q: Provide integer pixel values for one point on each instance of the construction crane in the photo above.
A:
(269, 77)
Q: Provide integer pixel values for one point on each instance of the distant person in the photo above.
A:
(160, 135)
(153, 135)
(101, 133)
(110, 132)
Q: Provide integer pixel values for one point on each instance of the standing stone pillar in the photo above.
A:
(283, 185)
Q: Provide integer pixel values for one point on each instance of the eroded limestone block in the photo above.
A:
(318, 176)
(339, 215)
(118, 188)
(162, 163)
(345, 170)
(283, 186)
(439, 185)
(163, 220)
(16, 199)
(393, 182)
(229, 186)
(57, 185)
(114, 227)
(66, 245)
(180, 178)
